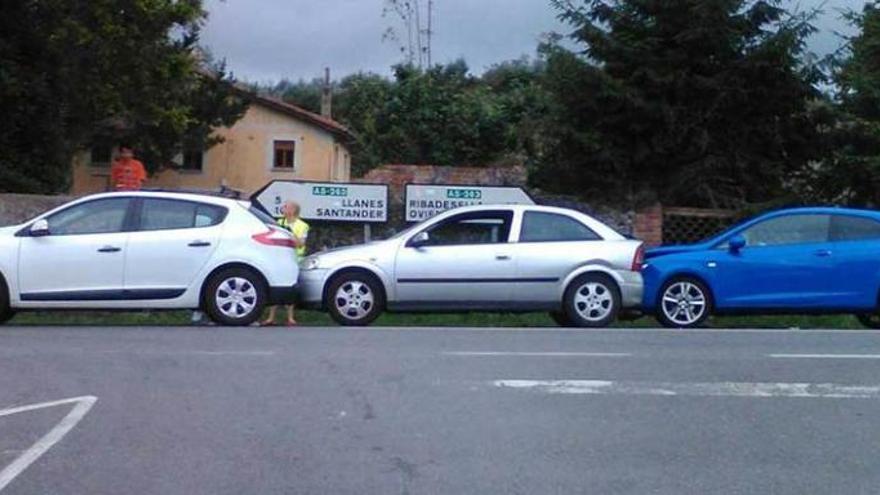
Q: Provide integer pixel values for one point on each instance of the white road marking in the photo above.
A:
(677, 331)
(717, 389)
(537, 354)
(825, 356)
(83, 404)
(189, 353)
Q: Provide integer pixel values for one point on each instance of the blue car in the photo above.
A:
(801, 260)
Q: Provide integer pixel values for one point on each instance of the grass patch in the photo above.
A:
(315, 318)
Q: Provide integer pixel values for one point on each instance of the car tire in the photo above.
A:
(592, 300)
(869, 320)
(560, 319)
(355, 299)
(691, 296)
(6, 312)
(235, 297)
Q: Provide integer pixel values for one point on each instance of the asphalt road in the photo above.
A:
(451, 411)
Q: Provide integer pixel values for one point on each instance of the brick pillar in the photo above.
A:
(648, 225)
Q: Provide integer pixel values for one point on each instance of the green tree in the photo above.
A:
(850, 125)
(699, 102)
(75, 72)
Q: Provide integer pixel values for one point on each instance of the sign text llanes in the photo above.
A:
(329, 201)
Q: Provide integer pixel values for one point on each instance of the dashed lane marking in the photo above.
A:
(535, 354)
(716, 389)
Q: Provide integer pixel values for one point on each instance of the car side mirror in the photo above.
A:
(39, 228)
(736, 243)
(419, 240)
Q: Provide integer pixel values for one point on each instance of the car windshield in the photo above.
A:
(412, 228)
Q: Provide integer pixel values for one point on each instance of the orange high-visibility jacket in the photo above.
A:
(127, 174)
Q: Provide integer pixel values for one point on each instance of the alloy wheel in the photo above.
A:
(354, 300)
(593, 301)
(684, 303)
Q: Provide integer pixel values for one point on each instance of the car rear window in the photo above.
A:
(169, 214)
(539, 226)
(851, 228)
(261, 215)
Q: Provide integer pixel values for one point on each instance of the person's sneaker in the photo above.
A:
(199, 319)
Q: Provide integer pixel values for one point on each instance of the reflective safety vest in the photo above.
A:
(300, 230)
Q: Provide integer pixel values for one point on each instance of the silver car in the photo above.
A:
(483, 258)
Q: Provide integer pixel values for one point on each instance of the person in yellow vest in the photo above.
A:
(300, 230)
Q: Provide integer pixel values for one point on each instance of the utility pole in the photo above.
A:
(327, 95)
(418, 19)
(430, 32)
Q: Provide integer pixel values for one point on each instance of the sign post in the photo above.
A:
(423, 201)
(327, 201)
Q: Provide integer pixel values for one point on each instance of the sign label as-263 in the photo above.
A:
(335, 191)
(464, 194)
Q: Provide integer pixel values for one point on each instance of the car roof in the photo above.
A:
(822, 210)
(601, 227)
(186, 196)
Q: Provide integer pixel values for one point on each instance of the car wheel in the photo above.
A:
(560, 318)
(592, 300)
(355, 299)
(235, 297)
(685, 302)
(6, 312)
(870, 320)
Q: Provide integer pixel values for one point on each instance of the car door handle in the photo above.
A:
(502, 257)
(824, 253)
(199, 244)
(109, 249)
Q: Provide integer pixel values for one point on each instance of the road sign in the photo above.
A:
(423, 201)
(330, 201)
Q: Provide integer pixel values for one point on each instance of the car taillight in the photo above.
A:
(275, 237)
(639, 258)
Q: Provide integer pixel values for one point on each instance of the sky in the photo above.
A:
(269, 40)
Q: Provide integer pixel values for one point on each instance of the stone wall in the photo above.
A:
(18, 208)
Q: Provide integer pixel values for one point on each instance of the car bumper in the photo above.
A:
(282, 295)
(631, 289)
(311, 288)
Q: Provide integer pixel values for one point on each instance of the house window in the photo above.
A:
(192, 160)
(101, 155)
(284, 153)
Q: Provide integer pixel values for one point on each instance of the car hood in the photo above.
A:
(359, 251)
(10, 230)
(676, 249)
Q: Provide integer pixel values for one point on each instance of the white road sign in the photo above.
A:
(425, 201)
(331, 201)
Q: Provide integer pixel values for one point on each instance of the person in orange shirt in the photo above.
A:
(127, 173)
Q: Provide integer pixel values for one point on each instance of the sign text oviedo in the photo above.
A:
(425, 201)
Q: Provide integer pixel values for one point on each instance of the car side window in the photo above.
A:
(789, 229)
(851, 228)
(167, 214)
(540, 226)
(101, 216)
(470, 228)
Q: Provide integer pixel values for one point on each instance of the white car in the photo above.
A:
(149, 250)
(492, 258)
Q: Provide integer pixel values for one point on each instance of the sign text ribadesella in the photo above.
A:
(331, 201)
(425, 201)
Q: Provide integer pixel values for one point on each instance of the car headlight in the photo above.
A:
(311, 263)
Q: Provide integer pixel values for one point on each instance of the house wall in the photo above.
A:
(244, 160)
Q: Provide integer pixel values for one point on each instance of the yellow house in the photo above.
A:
(273, 140)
